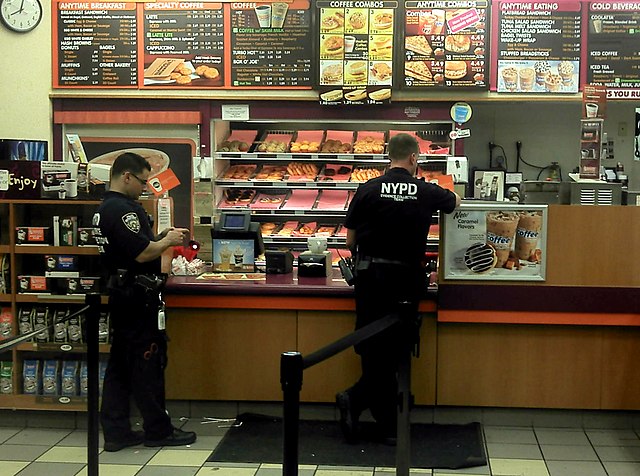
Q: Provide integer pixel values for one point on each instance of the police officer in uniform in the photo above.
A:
(131, 256)
(387, 226)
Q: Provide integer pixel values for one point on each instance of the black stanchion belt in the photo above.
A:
(356, 337)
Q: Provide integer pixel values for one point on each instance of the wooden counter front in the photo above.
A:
(227, 338)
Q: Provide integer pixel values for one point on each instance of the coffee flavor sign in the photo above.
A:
(537, 46)
(495, 242)
(356, 45)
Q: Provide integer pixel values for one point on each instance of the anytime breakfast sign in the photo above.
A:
(356, 51)
(495, 242)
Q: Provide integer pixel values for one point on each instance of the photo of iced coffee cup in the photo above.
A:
(278, 14)
(263, 12)
(566, 70)
(542, 70)
(510, 78)
(501, 230)
(527, 234)
(597, 25)
(527, 76)
(427, 23)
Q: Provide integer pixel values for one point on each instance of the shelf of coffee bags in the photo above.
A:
(40, 402)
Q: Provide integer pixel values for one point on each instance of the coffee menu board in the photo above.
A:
(536, 46)
(495, 242)
(445, 44)
(356, 46)
(96, 45)
(183, 46)
(271, 44)
(614, 48)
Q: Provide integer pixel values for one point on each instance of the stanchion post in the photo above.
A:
(291, 367)
(93, 386)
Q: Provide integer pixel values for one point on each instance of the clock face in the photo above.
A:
(21, 15)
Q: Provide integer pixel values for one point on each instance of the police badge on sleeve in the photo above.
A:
(132, 222)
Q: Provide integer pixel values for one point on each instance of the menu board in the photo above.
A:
(445, 44)
(356, 51)
(614, 48)
(537, 46)
(183, 44)
(96, 45)
(270, 44)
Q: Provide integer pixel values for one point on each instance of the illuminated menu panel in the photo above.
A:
(614, 48)
(356, 47)
(445, 44)
(537, 46)
(183, 44)
(271, 44)
(96, 45)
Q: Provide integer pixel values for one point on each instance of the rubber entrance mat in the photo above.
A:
(259, 440)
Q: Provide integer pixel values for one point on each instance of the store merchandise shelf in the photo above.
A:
(5, 297)
(322, 157)
(56, 250)
(41, 402)
(60, 347)
(5, 249)
(56, 298)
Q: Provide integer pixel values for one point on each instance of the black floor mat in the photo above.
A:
(259, 440)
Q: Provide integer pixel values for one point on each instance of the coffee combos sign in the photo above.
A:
(270, 44)
(495, 242)
(537, 46)
(614, 48)
(445, 44)
(356, 51)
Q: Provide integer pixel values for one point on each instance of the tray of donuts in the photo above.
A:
(273, 142)
(237, 198)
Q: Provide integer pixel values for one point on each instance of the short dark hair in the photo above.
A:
(401, 146)
(129, 162)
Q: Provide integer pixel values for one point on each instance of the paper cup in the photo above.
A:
(263, 12)
(527, 234)
(592, 109)
(349, 43)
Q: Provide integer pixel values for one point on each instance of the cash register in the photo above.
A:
(237, 242)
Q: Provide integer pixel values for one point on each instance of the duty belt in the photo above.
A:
(363, 262)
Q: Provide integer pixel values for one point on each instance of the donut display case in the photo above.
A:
(298, 178)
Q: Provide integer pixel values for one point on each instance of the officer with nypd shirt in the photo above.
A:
(132, 255)
(387, 226)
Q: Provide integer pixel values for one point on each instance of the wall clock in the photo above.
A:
(20, 15)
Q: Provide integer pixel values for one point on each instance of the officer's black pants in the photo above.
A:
(378, 292)
(132, 373)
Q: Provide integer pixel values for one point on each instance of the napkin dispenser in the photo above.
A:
(278, 261)
(316, 265)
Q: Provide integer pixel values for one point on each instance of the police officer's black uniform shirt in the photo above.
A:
(391, 215)
(125, 225)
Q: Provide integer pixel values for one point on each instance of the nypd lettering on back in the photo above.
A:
(399, 191)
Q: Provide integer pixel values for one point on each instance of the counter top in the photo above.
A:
(271, 291)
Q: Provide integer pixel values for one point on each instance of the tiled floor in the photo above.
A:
(518, 442)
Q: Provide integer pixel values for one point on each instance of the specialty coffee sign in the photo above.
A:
(538, 46)
(183, 44)
(96, 44)
(614, 48)
(445, 44)
(270, 44)
(356, 51)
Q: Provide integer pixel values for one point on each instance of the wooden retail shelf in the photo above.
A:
(56, 250)
(41, 402)
(56, 298)
(60, 347)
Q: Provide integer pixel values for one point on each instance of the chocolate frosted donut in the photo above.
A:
(480, 257)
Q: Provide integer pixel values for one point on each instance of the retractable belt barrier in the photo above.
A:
(92, 309)
(292, 365)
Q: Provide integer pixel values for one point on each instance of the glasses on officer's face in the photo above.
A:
(142, 182)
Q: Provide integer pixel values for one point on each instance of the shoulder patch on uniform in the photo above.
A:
(96, 219)
(132, 222)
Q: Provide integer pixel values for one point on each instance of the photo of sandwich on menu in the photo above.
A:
(418, 44)
(418, 70)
